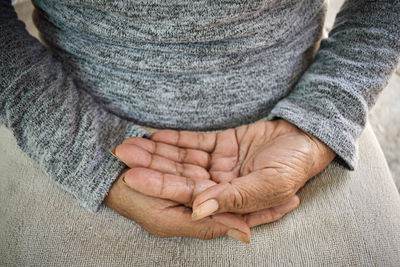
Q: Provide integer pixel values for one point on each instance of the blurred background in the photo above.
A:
(384, 117)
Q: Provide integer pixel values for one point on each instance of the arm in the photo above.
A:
(69, 135)
(264, 164)
(62, 128)
(353, 65)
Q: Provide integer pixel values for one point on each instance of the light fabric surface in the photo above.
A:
(347, 218)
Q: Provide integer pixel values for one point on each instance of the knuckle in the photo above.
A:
(162, 187)
(182, 155)
(200, 139)
(289, 187)
(286, 190)
(207, 233)
(239, 199)
(280, 188)
(276, 216)
(179, 137)
(154, 147)
(178, 168)
(207, 160)
(191, 184)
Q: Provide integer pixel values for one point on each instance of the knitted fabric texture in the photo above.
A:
(110, 66)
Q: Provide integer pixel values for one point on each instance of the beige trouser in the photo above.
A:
(346, 218)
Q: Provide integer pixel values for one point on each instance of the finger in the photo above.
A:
(241, 233)
(209, 228)
(225, 157)
(259, 190)
(166, 186)
(271, 214)
(135, 156)
(167, 218)
(187, 139)
(182, 155)
(222, 176)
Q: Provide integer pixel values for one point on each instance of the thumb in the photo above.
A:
(256, 191)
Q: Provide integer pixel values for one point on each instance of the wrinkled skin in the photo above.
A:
(165, 218)
(252, 172)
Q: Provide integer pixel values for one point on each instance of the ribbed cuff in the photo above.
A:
(108, 171)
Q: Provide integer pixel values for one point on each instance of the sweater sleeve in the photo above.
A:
(332, 98)
(60, 127)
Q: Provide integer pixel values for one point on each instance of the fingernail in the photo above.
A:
(123, 180)
(238, 235)
(205, 209)
(112, 151)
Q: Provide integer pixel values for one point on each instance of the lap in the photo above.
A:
(345, 218)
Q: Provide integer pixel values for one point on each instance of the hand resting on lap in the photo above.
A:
(234, 179)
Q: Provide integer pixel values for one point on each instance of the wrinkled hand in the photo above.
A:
(166, 218)
(178, 175)
(253, 167)
(258, 166)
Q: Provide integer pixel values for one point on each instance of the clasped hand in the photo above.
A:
(205, 185)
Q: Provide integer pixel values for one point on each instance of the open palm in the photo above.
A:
(251, 170)
(255, 166)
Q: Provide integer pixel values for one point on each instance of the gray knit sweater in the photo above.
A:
(110, 66)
